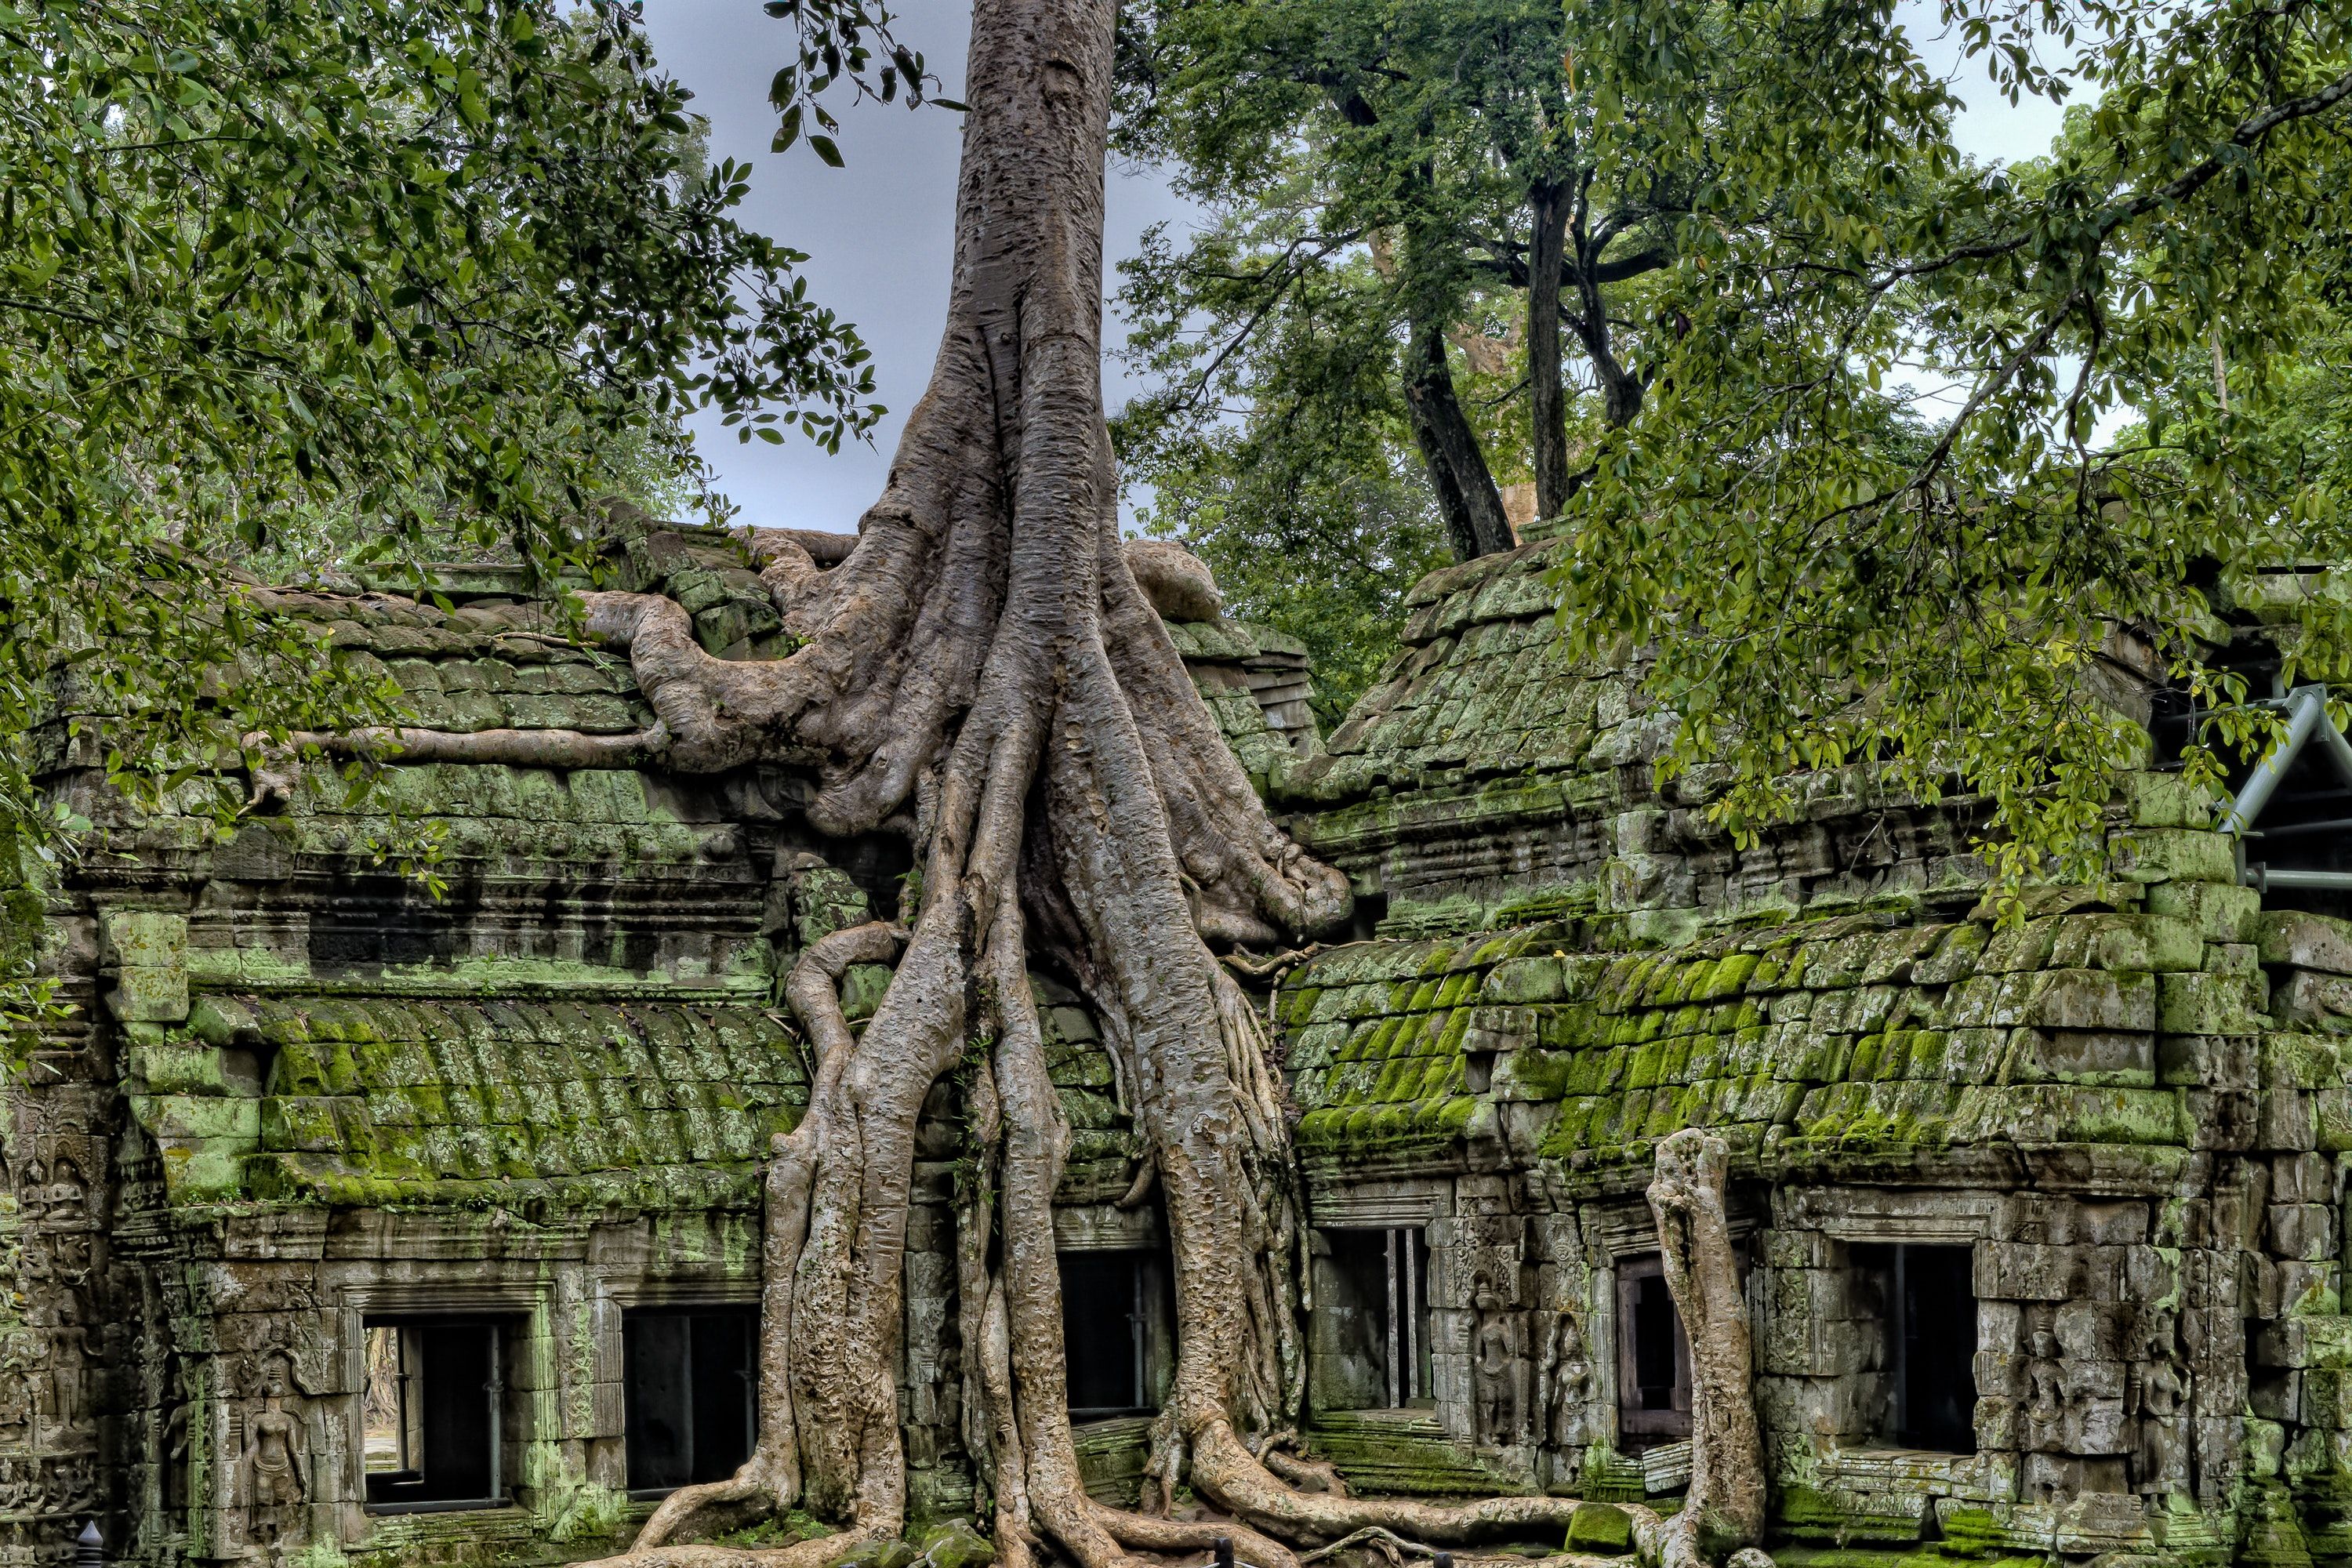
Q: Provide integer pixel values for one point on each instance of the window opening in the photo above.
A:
(1928, 1310)
(688, 1394)
(1653, 1375)
(431, 1415)
(1372, 1319)
(1116, 1312)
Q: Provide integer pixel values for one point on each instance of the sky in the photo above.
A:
(878, 232)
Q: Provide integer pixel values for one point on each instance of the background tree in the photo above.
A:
(1436, 230)
(1944, 617)
(1451, 142)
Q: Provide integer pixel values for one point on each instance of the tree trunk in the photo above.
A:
(1725, 1509)
(982, 672)
(1550, 202)
(1466, 497)
(1621, 388)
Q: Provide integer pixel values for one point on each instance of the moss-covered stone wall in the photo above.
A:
(2122, 1106)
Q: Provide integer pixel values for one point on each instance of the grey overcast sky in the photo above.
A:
(878, 231)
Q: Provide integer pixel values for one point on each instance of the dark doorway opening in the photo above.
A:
(433, 1428)
(1930, 1324)
(690, 1395)
(1371, 1329)
(1653, 1375)
(1117, 1310)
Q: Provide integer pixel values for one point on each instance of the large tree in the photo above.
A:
(984, 673)
(1953, 612)
(1436, 160)
(1491, 193)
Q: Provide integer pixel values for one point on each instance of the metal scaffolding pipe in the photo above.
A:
(2307, 713)
(2261, 878)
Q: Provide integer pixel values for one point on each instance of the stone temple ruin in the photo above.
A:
(344, 1224)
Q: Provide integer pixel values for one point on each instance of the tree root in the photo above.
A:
(1395, 1549)
(821, 1551)
(1279, 1451)
(277, 767)
(1726, 1491)
(1142, 1532)
(758, 1487)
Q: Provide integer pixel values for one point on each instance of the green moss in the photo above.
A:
(1601, 1528)
(1809, 1516)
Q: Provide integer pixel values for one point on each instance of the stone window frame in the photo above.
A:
(1884, 1216)
(428, 1296)
(1668, 1425)
(1106, 1227)
(1616, 1231)
(1400, 1203)
(613, 1296)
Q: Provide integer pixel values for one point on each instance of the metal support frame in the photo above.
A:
(2306, 718)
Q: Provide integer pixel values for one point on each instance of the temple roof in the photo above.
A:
(1861, 1039)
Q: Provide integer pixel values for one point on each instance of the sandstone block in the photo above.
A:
(2019, 1271)
(2236, 958)
(2307, 999)
(2219, 912)
(2327, 1399)
(2149, 1274)
(2095, 1426)
(2302, 1178)
(2167, 800)
(2126, 942)
(2099, 1057)
(2093, 1331)
(2175, 854)
(2202, 1004)
(180, 1116)
(2301, 1231)
(2285, 1120)
(2295, 939)
(2305, 1286)
(2277, 1397)
(149, 994)
(2209, 1061)
(143, 939)
(2090, 999)
(2332, 1120)
(1520, 981)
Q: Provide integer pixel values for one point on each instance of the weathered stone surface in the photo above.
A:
(300, 1095)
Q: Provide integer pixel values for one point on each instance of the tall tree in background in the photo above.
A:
(1447, 144)
(1490, 180)
(1438, 231)
(1941, 614)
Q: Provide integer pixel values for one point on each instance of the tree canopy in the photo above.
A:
(1780, 243)
(1438, 235)
(1945, 616)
